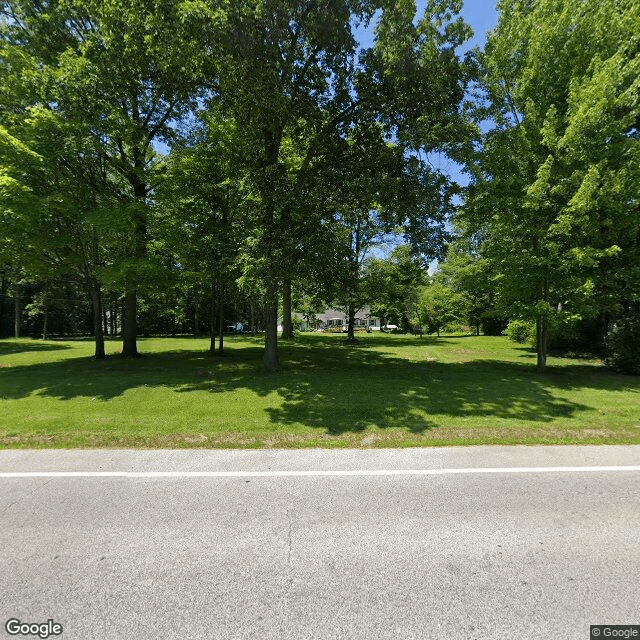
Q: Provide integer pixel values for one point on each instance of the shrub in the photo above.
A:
(521, 331)
(623, 346)
(337, 329)
(297, 322)
(453, 327)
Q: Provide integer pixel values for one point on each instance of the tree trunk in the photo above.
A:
(45, 320)
(220, 317)
(105, 320)
(271, 361)
(3, 297)
(271, 277)
(130, 321)
(351, 321)
(542, 338)
(96, 298)
(196, 317)
(139, 246)
(287, 323)
(17, 311)
(212, 330)
(253, 318)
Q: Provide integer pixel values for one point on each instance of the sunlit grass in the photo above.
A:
(388, 390)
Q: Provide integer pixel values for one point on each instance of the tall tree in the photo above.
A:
(393, 285)
(467, 272)
(291, 70)
(126, 71)
(200, 211)
(438, 305)
(555, 183)
(50, 210)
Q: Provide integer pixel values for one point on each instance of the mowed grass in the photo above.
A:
(386, 391)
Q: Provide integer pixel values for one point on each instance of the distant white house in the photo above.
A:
(336, 319)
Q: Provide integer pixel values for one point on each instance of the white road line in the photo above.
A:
(319, 473)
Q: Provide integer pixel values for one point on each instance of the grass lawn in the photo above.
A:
(387, 391)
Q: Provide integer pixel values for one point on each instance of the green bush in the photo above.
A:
(297, 322)
(521, 331)
(623, 346)
(337, 329)
(454, 327)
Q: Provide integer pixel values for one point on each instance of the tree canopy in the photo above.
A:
(554, 181)
(236, 156)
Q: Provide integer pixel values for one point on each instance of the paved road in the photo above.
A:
(427, 554)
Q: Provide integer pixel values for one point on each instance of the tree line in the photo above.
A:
(167, 162)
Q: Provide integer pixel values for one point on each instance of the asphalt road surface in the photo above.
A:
(468, 543)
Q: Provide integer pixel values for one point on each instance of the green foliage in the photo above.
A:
(623, 345)
(439, 306)
(567, 334)
(297, 322)
(314, 118)
(554, 190)
(114, 77)
(309, 306)
(467, 272)
(522, 331)
(392, 286)
(280, 133)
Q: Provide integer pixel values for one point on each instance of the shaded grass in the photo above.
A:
(387, 390)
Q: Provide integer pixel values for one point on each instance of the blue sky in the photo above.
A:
(482, 16)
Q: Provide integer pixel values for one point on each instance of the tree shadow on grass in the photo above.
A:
(391, 393)
(562, 354)
(378, 339)
(11, 346)
(328, 386)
